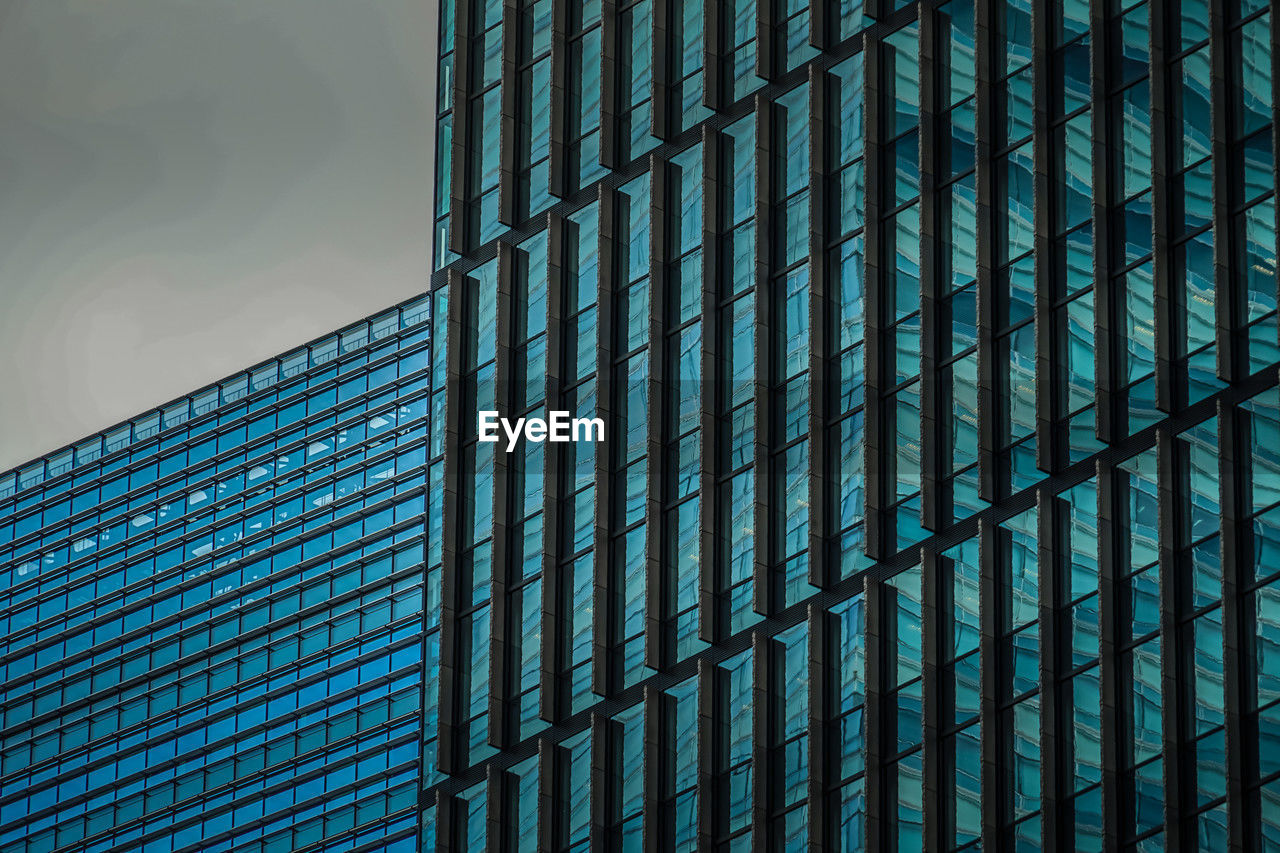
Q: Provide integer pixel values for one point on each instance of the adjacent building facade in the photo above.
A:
(939, 507)
(212, 617)
(938, 347)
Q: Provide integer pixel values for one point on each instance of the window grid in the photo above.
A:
(937, 352)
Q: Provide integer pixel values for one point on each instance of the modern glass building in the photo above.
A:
(212, 631)
(939, 506)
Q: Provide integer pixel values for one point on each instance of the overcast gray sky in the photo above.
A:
(191, 186)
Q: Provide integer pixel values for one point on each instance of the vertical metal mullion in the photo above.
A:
(1231, 344)
(824, 27)
(514, 133)
(714, 61)
(552, 801)
(447, 822)
(560, 89)
(766, 592)
(991, 619)
(504, 632)
(1111, 421)
(1056, 719)
(664, 57)
(1234, 472)
(1163, 194)
(609, 581)
(985, 33)
(823, 457)
(1275, 134)
(711, 574)
(605, 774)
(878, 10)
(555, 611)
(881, 785)
(822, 740)
(933, 287)
(1049, 344)
(657, 648)
(656, 762)
(461, 163)
(612, 155)
(1111, 527)
(936, 618)
(879, 542)
(452, 667)
(1175, 677)
(767, 49)
(764, 689)
(710, 748)
(500, 831)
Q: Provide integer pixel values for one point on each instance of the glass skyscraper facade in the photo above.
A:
(939, 506)
(212, 616)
